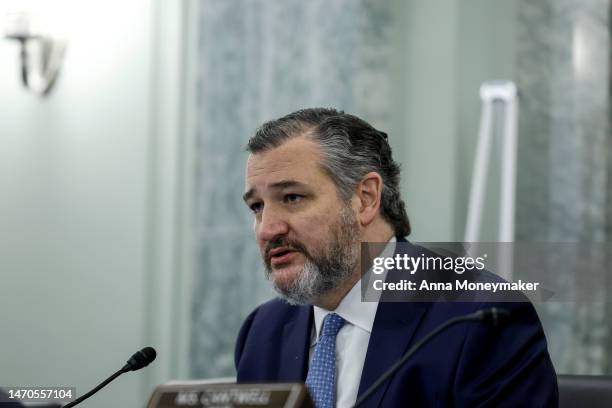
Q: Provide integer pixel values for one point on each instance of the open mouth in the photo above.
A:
(281, 255)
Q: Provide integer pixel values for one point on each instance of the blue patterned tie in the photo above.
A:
(321, 379)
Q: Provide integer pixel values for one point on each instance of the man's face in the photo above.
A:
(307, 237)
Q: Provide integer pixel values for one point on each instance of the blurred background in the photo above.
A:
(121, 219)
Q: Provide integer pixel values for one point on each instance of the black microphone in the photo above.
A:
(140, 359)
(493, 316)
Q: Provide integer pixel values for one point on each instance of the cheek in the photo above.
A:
(314, 229)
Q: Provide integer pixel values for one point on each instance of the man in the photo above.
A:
(319, 182)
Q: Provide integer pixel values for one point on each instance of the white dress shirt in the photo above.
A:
(352, 339)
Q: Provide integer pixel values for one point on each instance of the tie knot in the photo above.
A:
(332, 325)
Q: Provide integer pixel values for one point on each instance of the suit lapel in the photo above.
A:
(392, 332)
(296, 346)
(394, 327)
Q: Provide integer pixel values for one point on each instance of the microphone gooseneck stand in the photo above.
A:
(492, 316)
(140, 359)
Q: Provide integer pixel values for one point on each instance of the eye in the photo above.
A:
(256, 207)
(293, 198)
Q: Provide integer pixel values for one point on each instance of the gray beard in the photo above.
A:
(327, 271)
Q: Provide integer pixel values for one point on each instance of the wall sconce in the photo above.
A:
(41, 54)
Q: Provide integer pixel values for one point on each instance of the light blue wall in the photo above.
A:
(80, 208)
(564, 185)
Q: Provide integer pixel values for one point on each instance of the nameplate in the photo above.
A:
(227, 395)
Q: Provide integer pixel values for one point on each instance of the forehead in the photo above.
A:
(297, 159)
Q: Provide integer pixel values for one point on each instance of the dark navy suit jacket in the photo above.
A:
(469, 365)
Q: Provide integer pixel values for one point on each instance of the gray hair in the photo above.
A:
(351, 148)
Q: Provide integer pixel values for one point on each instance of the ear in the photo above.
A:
(368, 195)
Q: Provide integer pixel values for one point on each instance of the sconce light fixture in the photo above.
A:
(40, 56)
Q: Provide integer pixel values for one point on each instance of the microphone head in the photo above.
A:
(494, 316)
(140, 359)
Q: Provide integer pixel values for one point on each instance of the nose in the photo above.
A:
(270, 225)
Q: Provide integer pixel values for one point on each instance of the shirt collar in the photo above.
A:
(351, 308)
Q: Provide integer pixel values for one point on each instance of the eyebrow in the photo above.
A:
(279, 185)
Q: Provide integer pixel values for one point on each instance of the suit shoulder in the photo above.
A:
(265, 323)
(275, 304)
(272, 314)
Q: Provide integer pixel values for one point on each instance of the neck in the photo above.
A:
(331, 299)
